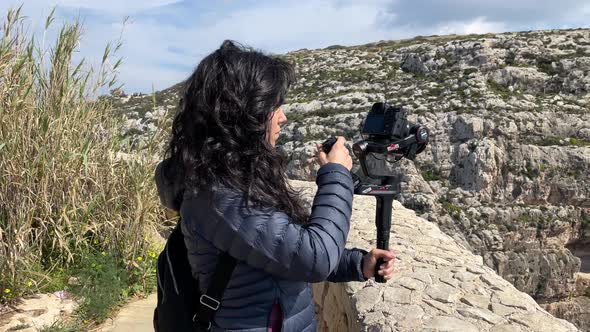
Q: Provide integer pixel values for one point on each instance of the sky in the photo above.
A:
(164, 40)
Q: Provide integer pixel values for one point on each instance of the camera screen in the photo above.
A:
(374, 124)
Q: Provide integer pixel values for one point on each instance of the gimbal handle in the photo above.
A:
(383, 225)
(383, 193)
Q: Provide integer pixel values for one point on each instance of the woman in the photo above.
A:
(224, 174)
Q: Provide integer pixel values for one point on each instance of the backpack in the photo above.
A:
(181, 307)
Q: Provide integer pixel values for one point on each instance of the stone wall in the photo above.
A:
(438, 285)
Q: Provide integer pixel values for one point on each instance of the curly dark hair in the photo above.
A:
(219, 133)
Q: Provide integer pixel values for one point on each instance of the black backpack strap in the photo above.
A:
(209, 302)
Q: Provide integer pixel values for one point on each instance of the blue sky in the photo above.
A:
(165, 39)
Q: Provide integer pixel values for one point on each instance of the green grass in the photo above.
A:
(63, 326)
(524, 218)
(430, 175)
(548, 141)
(554, 140)
(499, 89)
(19, 327)
(531, 172)
(452, 209)
(579, 142)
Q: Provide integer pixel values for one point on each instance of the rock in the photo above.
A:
(508, 299)
(507, 327)
(466, 128)
(576, 310)
(481, 314)
(540, 322)
(478, 166)
(449, 324)
(584, 134)
(412, 63)
(478, 301)
(397, 295)
(73, 281)
(36, 312)
(443, 293)
(366, 298)
(527, 79)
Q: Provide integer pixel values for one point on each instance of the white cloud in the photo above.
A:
(114, 6)
(117, 7)
(478, 25)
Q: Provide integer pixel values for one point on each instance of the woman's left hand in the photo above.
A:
(370, 260)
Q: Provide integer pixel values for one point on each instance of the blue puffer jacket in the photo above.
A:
(276, 258)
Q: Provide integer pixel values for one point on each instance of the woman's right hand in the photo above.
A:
(338, 154)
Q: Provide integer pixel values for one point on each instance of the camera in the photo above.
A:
(390, 134)
(386, 124)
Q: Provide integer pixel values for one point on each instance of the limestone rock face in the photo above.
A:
(35, 313)
(576, 311)
(526, 79)
(438, 285)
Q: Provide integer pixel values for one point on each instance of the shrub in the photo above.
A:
(452, 209)
(545, 63)
(469, 71)
(499, 89)
(99, 285)
(335, 47)
(548, 141)
(510, 57)
(430, 173)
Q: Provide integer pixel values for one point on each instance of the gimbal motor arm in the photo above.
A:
(406, 147)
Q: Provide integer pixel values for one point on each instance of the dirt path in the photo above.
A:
(134, 317)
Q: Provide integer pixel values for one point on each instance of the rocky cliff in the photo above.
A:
(507, 172)
(438, 285)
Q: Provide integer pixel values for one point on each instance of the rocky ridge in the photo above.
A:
(507, 172)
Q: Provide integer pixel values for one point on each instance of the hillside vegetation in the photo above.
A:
(74, 216)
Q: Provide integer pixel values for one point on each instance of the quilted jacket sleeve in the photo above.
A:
(266, 239)
(350, 267)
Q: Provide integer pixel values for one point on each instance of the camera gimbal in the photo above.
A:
(390, 134)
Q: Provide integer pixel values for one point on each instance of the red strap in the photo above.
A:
(276, 318)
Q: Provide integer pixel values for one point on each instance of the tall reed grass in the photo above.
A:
(62, 190)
